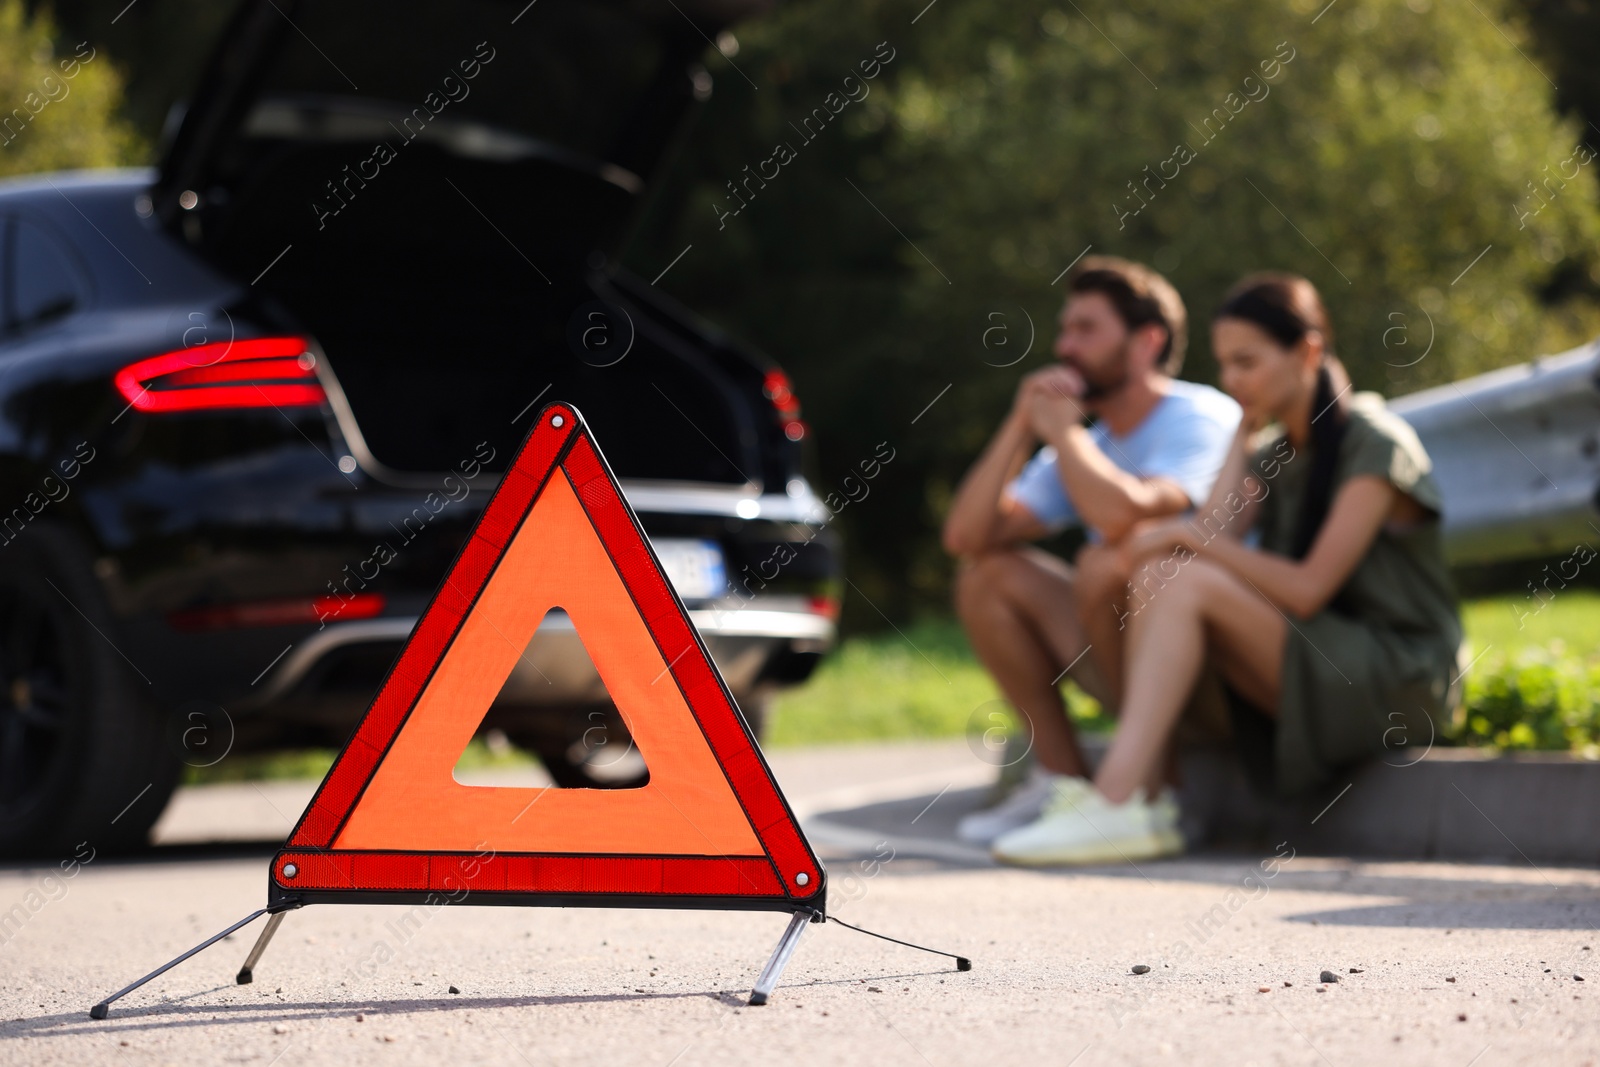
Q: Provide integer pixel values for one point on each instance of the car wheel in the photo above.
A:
(586, 750)
(755, 707)
(83, 754)
(569, 773)
(603, 756)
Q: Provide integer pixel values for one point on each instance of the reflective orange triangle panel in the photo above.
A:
(709, 829)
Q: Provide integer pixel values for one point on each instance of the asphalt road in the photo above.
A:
(1462, 965)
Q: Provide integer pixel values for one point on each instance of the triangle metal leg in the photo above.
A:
(770, 974)
(246, 973)
(102, 1009)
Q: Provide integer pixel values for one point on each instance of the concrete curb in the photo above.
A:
(1451, 804)
(1454, 804)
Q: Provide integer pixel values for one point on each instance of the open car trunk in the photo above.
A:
(433, 190)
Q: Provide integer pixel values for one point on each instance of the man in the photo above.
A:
(1155, 446)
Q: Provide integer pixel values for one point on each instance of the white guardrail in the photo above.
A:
(1517, 456)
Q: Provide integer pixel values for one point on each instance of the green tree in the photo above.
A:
(58, 101)
(160, 47)
(1403, 155)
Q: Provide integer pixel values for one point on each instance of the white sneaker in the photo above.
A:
(1089, 829)
(1025, 804)
(1166, 812)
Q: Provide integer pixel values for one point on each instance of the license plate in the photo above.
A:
(694, 567)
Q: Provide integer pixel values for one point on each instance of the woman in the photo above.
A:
(1334, 636)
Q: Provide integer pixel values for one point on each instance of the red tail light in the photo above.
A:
(258, 373)
(826, 606)
(278, 612)
(777, 389)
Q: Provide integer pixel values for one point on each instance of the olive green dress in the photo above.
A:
(1371, 674)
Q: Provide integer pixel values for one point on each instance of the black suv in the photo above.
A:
(252, 400)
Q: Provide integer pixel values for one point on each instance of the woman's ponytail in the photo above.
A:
(1287, 308)
(1329, 417)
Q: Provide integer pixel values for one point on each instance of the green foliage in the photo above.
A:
(1395, 143)
(1538, 699)
(1536, 684)
(58, 103)
(159, 47)
(1387, 152)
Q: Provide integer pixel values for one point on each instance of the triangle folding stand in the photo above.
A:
(390, 825)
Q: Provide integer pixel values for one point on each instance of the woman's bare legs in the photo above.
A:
(1205, 610)
(1103, 612)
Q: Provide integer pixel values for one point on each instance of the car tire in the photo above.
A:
(569, 772)
(755, 706)
(571, 764)
(84, 756)
(585, 748)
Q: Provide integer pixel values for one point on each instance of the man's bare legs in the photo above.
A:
(1019, 607)
(1102, 601)
(1203, 610)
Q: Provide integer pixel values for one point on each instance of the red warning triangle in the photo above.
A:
(709, 829)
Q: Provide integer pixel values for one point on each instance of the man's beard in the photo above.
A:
(1105, 383)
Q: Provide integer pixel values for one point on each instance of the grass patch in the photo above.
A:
(925, 682)
(1568, 624)
(1535, 685)
(264, 766)
(314, 763)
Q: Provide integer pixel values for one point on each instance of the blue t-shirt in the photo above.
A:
(1185, 438)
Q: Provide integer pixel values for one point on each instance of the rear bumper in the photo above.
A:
(556, 670)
